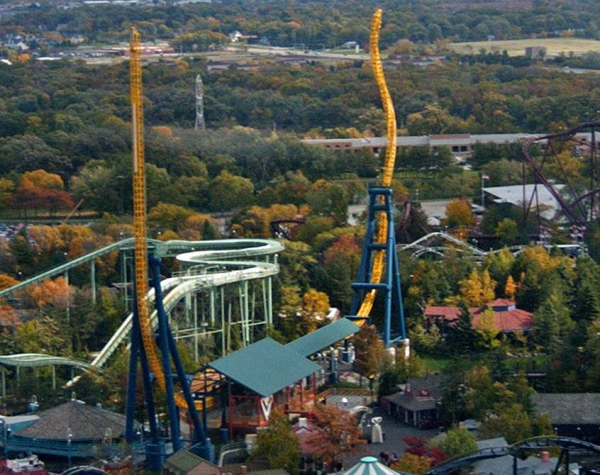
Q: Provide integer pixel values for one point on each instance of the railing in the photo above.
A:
(344, 392)
(52, 447)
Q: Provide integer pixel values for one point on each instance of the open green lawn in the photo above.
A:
(435, 364)
(554, 46)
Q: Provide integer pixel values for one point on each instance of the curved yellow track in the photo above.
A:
(388, 166)
(139, 216)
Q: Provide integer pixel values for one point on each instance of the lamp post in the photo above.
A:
(69, 438)
(483, 178)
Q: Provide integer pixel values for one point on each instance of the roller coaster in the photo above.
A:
(379, 269)
(516, 451)
(578, 202)
(210, 266)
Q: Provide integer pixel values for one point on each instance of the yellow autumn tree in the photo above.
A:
(197, 222)
(48, 239)
(477, 288)
(459, 214)
(487, 329)
(315, 303)
(412, 463)
(42, 179)
(510, 288)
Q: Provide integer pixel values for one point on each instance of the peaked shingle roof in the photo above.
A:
(507, 318)
(86, 423)
(576, 408)
(183, 461)
(265, 367)
(323, 337)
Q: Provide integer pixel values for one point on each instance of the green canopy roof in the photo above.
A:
(265, 367)
(323, 337)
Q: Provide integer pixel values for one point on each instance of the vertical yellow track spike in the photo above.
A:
(139, 215)
(388, 165)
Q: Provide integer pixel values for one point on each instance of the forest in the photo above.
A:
(316, 24)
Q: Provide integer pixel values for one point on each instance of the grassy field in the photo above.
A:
(554, 46)
(435, 364)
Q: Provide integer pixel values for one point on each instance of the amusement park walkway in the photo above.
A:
(394, 432)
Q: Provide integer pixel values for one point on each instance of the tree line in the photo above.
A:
(312, 24)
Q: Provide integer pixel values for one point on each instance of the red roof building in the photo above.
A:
(507, 317)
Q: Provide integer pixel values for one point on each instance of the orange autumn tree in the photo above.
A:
(337, 436)
(42, 190)
(52, 292)
(8, 316)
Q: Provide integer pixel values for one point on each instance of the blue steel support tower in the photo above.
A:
(170, 356)
(380, 199)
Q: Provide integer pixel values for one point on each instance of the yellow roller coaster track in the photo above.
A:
(139, 215)
(388, 166)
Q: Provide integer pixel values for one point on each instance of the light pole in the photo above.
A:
(69, 438)
(483, 178)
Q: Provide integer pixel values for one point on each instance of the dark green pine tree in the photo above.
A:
(547, 331)
(208, 232)
(463, 338)
(586, 303)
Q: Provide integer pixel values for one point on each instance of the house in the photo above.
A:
(418, 404)
(572, 414)
(507, 317)
(184, 462)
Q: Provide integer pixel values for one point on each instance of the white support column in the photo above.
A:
(270, 300)
(68, 302)
(265, 303)
(93, 280)
(196, 352)
(213, 304)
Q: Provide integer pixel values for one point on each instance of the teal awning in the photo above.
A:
(323, 337)
(265, 367)
(370, 466)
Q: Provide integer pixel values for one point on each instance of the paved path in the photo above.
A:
(394, 431)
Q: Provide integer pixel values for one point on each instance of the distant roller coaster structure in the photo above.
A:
(577, 200)
(564, 444)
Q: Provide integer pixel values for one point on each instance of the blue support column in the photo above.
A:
(380, 200)
(154, 447)
(164, 349)
(168, 348)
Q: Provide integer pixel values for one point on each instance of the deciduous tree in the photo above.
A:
(338, 435)
(228, 191)
(278, 444)
(457, 443)
(459, 214)
(370, 351)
